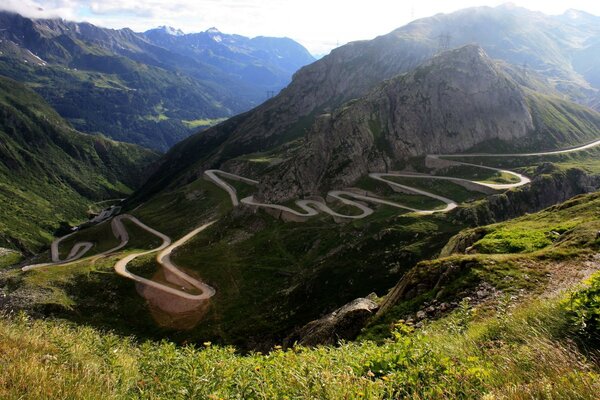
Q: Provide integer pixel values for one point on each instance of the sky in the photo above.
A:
(319, 25)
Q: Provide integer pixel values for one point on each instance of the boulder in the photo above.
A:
(345, 323)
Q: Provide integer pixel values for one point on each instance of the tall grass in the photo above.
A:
(523, 353)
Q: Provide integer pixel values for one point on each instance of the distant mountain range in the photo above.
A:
(261, 61)
(552, 55)
(152, 88)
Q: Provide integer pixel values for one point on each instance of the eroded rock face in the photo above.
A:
(450, 104)
(344, 323)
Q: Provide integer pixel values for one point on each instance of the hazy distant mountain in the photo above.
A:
(169, 30)
(120, 83)
(263, 61)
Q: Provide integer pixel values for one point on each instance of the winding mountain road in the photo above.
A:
(309, 207)
(163, 258)
(312, 207)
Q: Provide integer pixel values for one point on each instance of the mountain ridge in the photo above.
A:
(162, 95)
(458, 101)
(525, 39)
(50, 173)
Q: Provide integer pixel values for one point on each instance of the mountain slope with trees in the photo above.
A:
(120, 83)
(50, 173)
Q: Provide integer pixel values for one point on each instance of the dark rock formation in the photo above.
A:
(544, 191)
(344, 323)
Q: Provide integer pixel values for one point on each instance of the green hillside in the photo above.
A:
(50, 173)
(537, 335)
(272, 276)
(419, 268)
(138, 88)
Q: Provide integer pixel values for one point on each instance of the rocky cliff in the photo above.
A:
(559, 50)
(458, 101)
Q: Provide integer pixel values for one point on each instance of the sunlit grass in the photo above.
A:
(514, 354)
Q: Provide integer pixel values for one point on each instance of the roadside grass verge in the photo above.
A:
(477, 174)
(442, 188)
(415, 201)
(179, 211)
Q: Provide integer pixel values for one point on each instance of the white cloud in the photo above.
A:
(318, 24)
(41, 9)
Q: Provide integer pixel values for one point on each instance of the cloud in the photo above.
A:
(40, 9)
(318, 24)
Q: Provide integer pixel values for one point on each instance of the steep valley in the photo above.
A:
(50, 173)
(142, 88)
(413, 216)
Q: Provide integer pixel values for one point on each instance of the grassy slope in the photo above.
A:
(523, 254)
(280, 274)
(543, 348)
(270, 276)
(49, 173)
(562, 123)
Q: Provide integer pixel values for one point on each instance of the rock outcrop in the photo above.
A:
(545, 190)
(456, 101)
(345, 323)
(530, 42)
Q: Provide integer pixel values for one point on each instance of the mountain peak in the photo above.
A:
(213, 30)
(170, 30)
(472, 54)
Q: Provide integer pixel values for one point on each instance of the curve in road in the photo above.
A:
(312, 207)
(309, 208)
(163, 258)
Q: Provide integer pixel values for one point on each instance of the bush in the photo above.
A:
(584, 310)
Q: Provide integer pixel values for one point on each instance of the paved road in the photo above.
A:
(313, 207)
(541, 153)
(309, 208)
(163, 258)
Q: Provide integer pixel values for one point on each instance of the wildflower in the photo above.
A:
(207, 344)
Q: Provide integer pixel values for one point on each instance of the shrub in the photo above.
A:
(584, 310)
